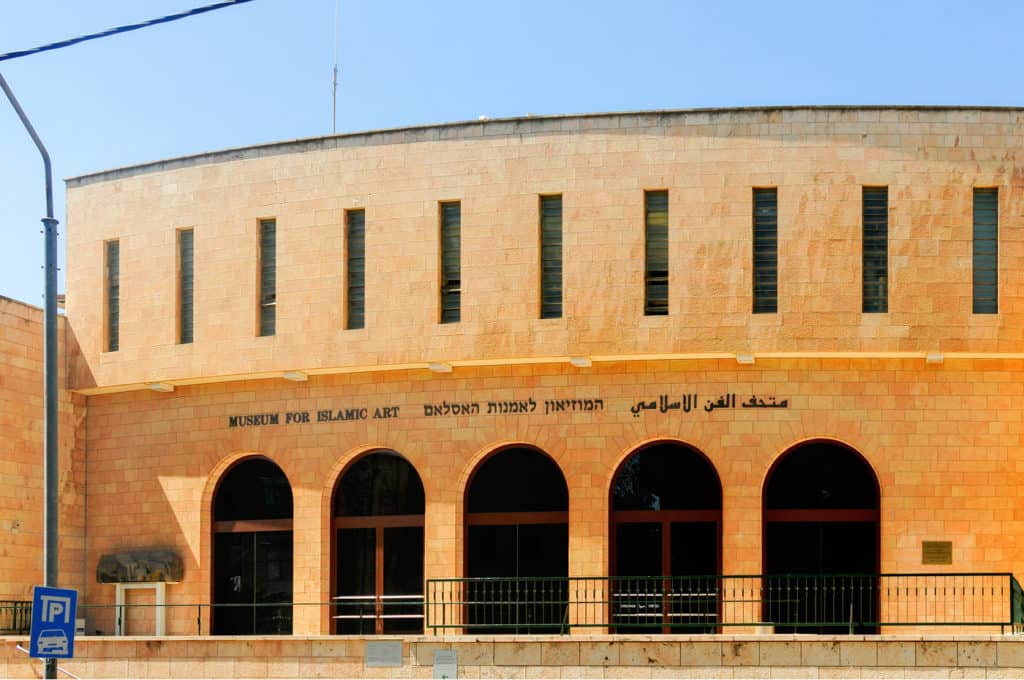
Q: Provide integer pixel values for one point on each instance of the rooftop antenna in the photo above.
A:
(334, 98)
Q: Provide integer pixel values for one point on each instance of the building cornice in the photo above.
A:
(744, 360)
(480, 128)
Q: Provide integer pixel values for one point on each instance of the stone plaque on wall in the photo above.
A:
(446, 664)
(936, 552)
(383, 653)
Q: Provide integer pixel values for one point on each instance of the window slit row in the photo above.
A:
(875, 266)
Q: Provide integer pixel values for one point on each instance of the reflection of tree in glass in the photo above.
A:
(381, 483)
(254, 489)
(627, 482)
(666, 477)
(274, 490)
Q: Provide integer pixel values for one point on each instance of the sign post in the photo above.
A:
(53, 623)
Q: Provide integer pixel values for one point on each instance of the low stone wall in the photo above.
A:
(722, 656)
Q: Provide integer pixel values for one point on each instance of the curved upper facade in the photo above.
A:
(711, 164)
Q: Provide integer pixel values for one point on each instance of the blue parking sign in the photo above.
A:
(53, 623)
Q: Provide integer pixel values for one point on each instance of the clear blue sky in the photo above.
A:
(261, 72)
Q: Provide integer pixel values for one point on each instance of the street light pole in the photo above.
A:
(50, 468)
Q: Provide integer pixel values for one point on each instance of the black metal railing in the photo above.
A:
(834, 603)
(355, 615)
(15, 617)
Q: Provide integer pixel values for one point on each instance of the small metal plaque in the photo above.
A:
(936, 552)
(446, 664)
(383, 653)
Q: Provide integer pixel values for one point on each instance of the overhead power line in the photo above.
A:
(121, 29)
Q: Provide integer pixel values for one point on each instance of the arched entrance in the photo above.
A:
(666, 514)
(821, 538)
(252, 551)
(517, 536)
(378, 547)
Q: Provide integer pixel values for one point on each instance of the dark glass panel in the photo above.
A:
(252, 570)
(186, 284)
(233, 584)
(875, 249)
(666, 477)
(638, 549)
(491, 551)
(694, 550)
(381, 483)
(451, 262)
(253, 489)
(518, 480)
(516, 551)
(113, 295)
(693, 554)
(550, 257)
(822, 475)
(834, 550)
(543, 550)
(356, 581)
(985, 259)
(637, 604)
(403, 580)
(766, 250)
(268, 276)
(272, 582)
(356, 249)
(656, 253)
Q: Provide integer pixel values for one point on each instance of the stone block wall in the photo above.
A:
(708, 161)
(21, 457)
(898, 657)
(944, 442)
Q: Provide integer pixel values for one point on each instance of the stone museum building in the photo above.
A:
(702, 371)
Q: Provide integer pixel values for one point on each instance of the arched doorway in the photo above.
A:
(517, 536)
(666, 514)
(821, 537)
(378, 547)
(252, 551)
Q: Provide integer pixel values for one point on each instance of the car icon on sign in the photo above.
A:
(52, 641)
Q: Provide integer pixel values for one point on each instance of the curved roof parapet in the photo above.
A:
(468, 129)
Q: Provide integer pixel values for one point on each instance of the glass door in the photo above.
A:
(253, 572)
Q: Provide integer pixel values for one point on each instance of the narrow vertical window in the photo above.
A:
(986, 251)
(268, 276)
(656, 253)
(451, 264)
(113, 261)
(186, 279)
(550, 257)
(766, 251)
(875, 250)
(355, 249)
